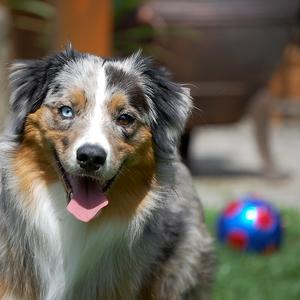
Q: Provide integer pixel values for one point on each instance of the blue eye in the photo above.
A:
(66, 112)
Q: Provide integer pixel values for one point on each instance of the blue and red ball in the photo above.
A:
(250, 224)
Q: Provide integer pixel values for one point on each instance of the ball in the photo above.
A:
(250, 224)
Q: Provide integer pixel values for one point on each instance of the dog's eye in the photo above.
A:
(125, 120)
(66, 112)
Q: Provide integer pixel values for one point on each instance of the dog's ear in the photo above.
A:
(170, 105)
(29, 84)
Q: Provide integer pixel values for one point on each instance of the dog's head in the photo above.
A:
(96, 117)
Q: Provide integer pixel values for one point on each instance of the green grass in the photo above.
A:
(260, 277)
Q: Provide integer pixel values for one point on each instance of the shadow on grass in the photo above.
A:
(215, 166)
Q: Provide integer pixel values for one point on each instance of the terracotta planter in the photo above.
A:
(226, 49)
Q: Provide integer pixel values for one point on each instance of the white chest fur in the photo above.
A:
(72, 252)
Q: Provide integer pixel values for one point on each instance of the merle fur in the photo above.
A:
(31, 79)
(30, 82)
(169, 234)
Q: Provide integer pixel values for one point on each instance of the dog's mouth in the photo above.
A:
(86, 195)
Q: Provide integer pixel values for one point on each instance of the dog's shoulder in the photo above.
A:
(175, 235)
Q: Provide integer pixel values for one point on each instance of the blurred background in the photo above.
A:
(241, 60)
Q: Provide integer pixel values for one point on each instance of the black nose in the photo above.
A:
(91, 157)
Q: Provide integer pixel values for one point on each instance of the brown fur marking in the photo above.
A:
(79, 99)
(65, 141)
(116, 103)
(3, 290)
(33, 159)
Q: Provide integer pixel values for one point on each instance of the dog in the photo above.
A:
(95, 201)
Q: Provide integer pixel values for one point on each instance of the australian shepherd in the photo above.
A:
(95, 202)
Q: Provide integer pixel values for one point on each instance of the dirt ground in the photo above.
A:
(227, 164)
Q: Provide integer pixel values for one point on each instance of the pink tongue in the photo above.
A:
(87, 199)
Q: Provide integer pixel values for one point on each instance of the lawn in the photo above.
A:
(243, 276)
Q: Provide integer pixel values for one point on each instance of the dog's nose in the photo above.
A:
(91, 157)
